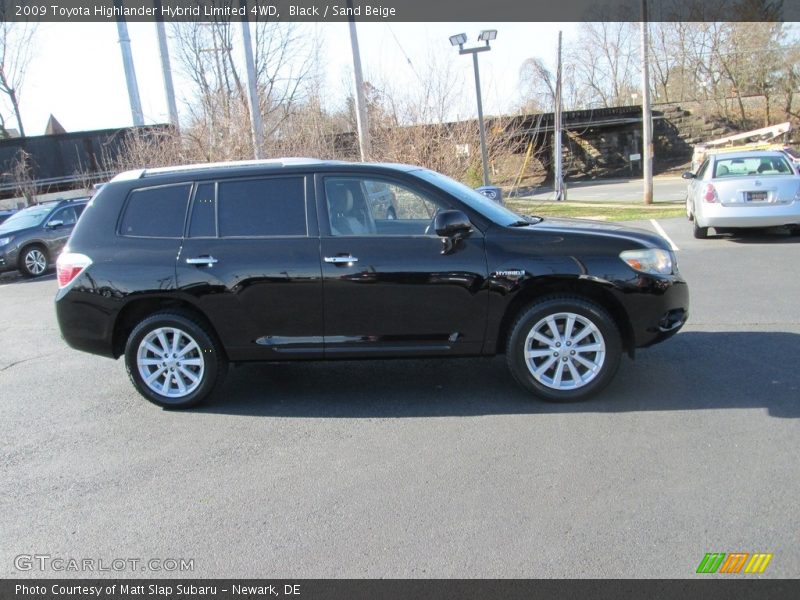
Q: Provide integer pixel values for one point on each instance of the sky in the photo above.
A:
(76, 70)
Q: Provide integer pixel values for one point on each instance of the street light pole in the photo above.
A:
(481, 126)
(459, 40)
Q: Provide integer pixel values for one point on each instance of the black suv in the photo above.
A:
(31, 239)
(183, 270)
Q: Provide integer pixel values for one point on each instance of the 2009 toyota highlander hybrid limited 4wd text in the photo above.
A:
(185, 269)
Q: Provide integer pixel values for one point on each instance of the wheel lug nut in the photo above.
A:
(565, 359)
(555, 353)
(572, 352)
(558, 344)
(569, 343)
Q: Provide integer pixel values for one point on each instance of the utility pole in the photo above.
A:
(166, 68)
(559, 177)
(362, 122)
(256, 126)
(647, 117)
(130, 72)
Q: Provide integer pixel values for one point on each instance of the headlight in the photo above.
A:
(654, 261)
(5, 241)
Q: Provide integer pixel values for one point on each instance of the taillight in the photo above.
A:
(710, 194)
(69, 265)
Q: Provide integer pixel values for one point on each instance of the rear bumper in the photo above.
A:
(776, 215)
(85, 323)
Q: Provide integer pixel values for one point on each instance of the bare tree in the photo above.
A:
(218, 107)
(606, 62)
(538, 86)
(21, 174)
(15, 55)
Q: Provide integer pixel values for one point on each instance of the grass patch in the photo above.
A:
(595, 210)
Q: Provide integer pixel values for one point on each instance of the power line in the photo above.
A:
(402, 50)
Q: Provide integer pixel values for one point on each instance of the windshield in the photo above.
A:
(29, 217)
(475, 200)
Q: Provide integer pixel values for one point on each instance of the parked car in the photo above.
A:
(793, 155)
(382, 198)
(31, 238)
(741, 190)
(184, 270)
(4, 214)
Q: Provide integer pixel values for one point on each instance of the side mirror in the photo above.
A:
(452, 226)
(688, 175)
(55, 224)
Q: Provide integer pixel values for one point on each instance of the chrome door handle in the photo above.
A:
(202, 260)
(340, 260)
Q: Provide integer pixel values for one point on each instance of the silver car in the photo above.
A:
(743, 189)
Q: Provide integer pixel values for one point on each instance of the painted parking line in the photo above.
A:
(663, 234)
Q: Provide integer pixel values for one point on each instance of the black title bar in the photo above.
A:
(399, 10)
(733, 588)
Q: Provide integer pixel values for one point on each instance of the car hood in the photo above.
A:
(13, 230)
(557, 225)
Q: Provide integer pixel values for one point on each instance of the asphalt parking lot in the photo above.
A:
(422, 468)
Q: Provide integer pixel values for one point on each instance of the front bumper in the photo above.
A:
(8, 259)
(657, 308)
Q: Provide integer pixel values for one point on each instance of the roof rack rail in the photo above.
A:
(235, 164)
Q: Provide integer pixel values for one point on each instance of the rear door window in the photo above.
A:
(266, 207)
(156, 212)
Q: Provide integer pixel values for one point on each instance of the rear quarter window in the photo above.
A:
(157, 212)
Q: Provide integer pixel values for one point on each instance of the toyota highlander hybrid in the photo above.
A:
(183, 270)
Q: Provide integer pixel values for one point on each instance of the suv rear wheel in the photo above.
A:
(33, 261)
(173, 361)
(564, 348)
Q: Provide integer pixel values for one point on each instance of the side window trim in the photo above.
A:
(190, 213)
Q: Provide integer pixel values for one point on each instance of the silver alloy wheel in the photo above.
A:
(170, 362)
(35, 261)
(564, 351)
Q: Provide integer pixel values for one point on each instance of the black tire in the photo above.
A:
(603, 332)
(33, 261)
(208, 350)
(700, 233)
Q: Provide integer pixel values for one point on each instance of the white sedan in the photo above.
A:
(743, 189)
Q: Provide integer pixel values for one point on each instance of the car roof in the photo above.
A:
(751, 154)
(244, 166)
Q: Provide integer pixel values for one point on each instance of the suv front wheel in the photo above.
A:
(564, 348)
(33, 261)
(173, 361)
